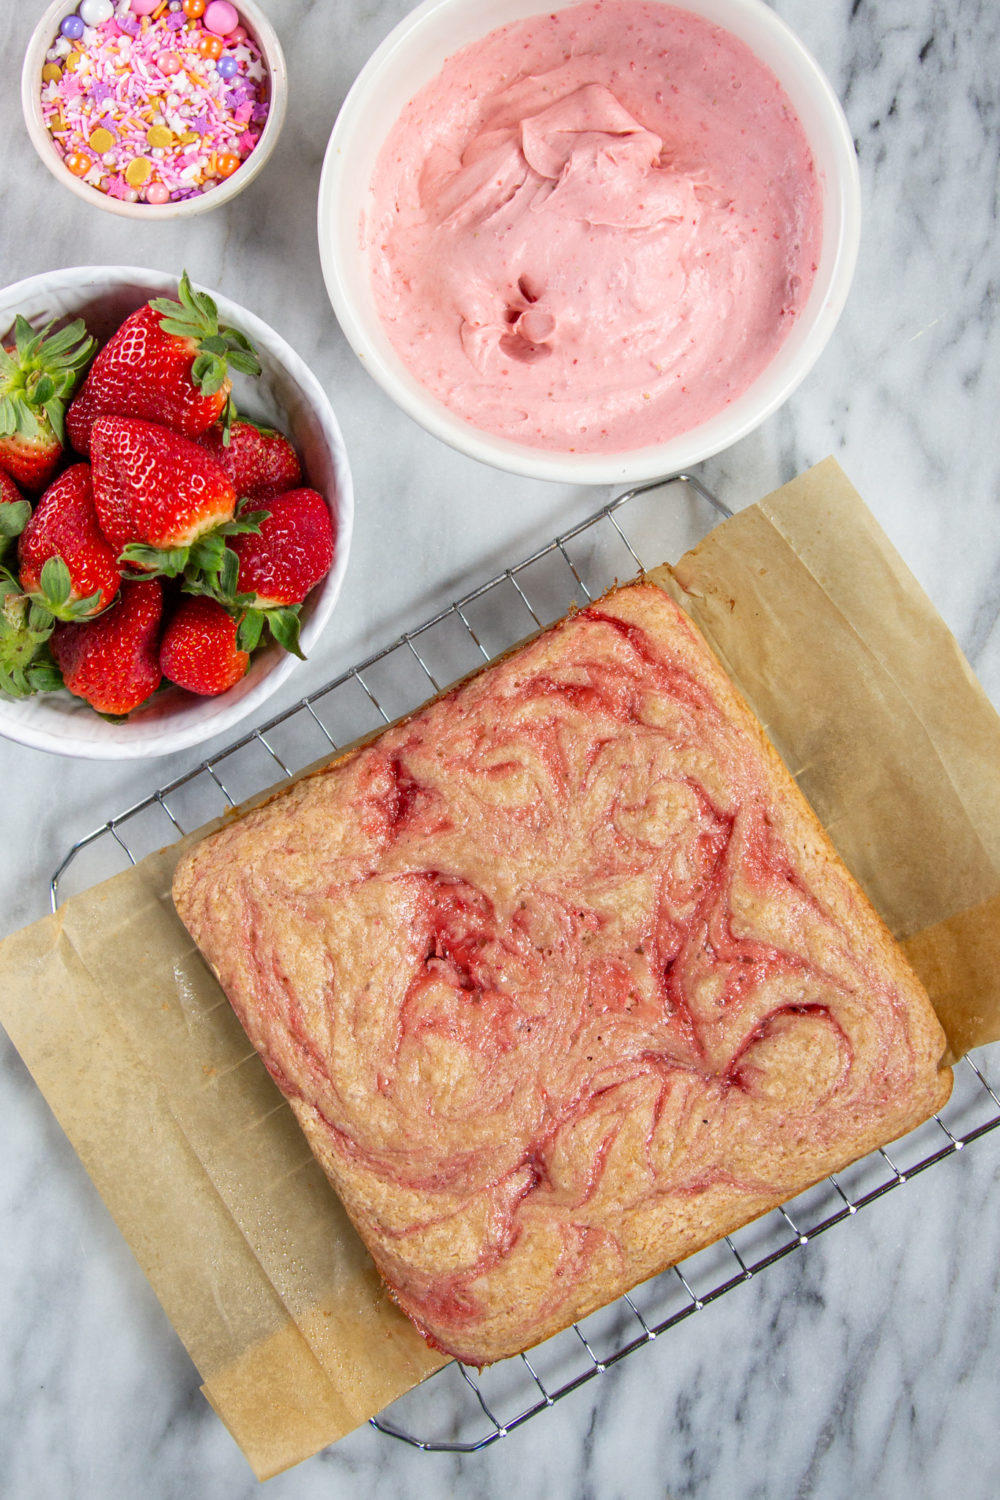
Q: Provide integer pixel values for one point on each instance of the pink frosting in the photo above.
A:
(595, 228)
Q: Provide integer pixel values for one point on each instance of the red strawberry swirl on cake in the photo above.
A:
(558, 984)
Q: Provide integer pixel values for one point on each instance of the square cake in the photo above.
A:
(562, 978)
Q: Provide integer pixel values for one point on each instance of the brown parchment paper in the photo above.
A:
(200, 1161)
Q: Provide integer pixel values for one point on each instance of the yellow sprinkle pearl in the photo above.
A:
(137, 171)
(51, 72)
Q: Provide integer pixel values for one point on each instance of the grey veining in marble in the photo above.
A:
(864, 1364)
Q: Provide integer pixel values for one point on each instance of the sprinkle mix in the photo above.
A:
(154, 101)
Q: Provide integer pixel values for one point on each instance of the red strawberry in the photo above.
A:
(155, 492)
(9, 492)
(199, 650)
(64, 561)
(169, 363)
(279, 564)
(261, 462)
(113, 661)
(38, 375)
(290, 554)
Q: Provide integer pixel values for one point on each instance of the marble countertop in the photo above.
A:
(865, 1363)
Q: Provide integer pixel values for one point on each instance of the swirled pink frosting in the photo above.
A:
(596, 227)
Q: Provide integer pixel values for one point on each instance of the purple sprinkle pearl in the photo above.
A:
(71, 28)
(227, 67)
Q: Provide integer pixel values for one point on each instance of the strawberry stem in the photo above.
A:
(195, 317)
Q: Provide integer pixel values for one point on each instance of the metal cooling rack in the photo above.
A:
(459, 1409)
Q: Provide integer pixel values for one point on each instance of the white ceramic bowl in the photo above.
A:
(257, 25)
(410, 57)
(288, 395)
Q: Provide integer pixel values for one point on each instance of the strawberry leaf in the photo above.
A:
(25, 339)
(247, 521)
(209, 373)
(249, 631)
(229, 574)
(226, 420)
(283, 624)
(205, 555)
(13, 682)
(72, 345)
(204, 304)
(13, 518)
(40, 620)
(55, 410)
(56, 582)
(155, 561)
(44, 676)
(179, 327)
(244, 360)
(8, 416)
(42, 389)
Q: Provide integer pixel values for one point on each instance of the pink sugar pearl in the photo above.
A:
(220, 17)
(143, 7)
(157, 192)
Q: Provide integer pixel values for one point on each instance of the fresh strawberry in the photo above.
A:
(64, 561)
(113, 662)
(199, 650)
(260, 461)
(290, 554)
(9, 492)
(155, 492)
(14, 511)
(38, 375)
(169, 363)
(268, 571)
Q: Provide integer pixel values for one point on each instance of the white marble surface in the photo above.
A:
(866, 1363)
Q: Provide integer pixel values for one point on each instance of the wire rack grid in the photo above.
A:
(460, 1409)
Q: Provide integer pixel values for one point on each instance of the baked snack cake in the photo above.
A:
(562, 978)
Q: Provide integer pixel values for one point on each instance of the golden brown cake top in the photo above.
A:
(562, 978)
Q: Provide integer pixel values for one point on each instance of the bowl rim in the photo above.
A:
(41, 39)
(773, 385)
(203, 718)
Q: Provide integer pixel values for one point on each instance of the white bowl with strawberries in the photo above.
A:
(176, 511)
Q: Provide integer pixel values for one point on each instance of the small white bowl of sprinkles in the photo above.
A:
(154, 109)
